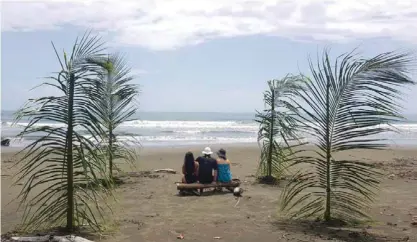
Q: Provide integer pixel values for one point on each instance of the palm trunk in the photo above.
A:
(271, 136)
(111, 151)
(109, 103)
(327, 215)
(70, 177)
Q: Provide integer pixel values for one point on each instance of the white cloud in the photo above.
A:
(168, 24)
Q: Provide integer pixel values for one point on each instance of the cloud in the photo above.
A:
(170, 24)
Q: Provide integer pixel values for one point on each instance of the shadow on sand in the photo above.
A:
(327, 232)
(206, 193)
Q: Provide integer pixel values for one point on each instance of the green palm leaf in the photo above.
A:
(342, 108)
(277, 127)
(112, 97)
(62, 162)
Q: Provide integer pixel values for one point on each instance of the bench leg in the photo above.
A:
(214, 190)
(195, 192)
(185, 192)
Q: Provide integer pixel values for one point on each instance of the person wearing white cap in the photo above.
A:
(207, 151)
(207, 172)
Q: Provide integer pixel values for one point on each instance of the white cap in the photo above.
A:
(207, 151)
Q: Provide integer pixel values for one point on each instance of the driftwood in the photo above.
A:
(48, 238)
(166, 170)
(238, 200)
(5, 142)
(185, 186)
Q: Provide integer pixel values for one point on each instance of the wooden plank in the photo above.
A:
(185, 186)
(166, 170)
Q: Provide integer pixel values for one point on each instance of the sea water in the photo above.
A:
(194, 128)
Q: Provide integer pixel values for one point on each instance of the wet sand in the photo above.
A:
(149, 208)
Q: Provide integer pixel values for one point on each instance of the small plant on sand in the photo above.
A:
(277, 127)
(342, 107)
(61, 162)
(113, 97)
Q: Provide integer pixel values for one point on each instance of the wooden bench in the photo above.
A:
(201, 187)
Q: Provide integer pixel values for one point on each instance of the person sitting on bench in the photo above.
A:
(224, 175)
(208, 167)
(190, 169)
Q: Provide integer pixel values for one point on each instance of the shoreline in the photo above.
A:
(214, 147)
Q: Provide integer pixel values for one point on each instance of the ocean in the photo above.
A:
(195, 128)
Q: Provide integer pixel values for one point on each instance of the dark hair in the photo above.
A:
(222, 154)
(189, 163)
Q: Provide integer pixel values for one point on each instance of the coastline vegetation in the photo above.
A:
(278, 129)
(95, 95)
(342, 105)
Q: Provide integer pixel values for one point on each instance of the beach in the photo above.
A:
(149, 208)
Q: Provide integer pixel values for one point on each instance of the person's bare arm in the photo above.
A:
(183, 169)
(197, 166)
(215, 172)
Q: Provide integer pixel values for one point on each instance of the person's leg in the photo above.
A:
(219, 189)
(183, 180)
(195, 192)
(205, 180)
(193, 179)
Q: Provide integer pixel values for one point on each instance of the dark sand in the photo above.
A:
(150, 210)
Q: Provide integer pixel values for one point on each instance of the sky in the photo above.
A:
(199, 55)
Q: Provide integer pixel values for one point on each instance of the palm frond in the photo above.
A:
(277, 126)
(62, 162)
(343, 107)
(112, 100)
